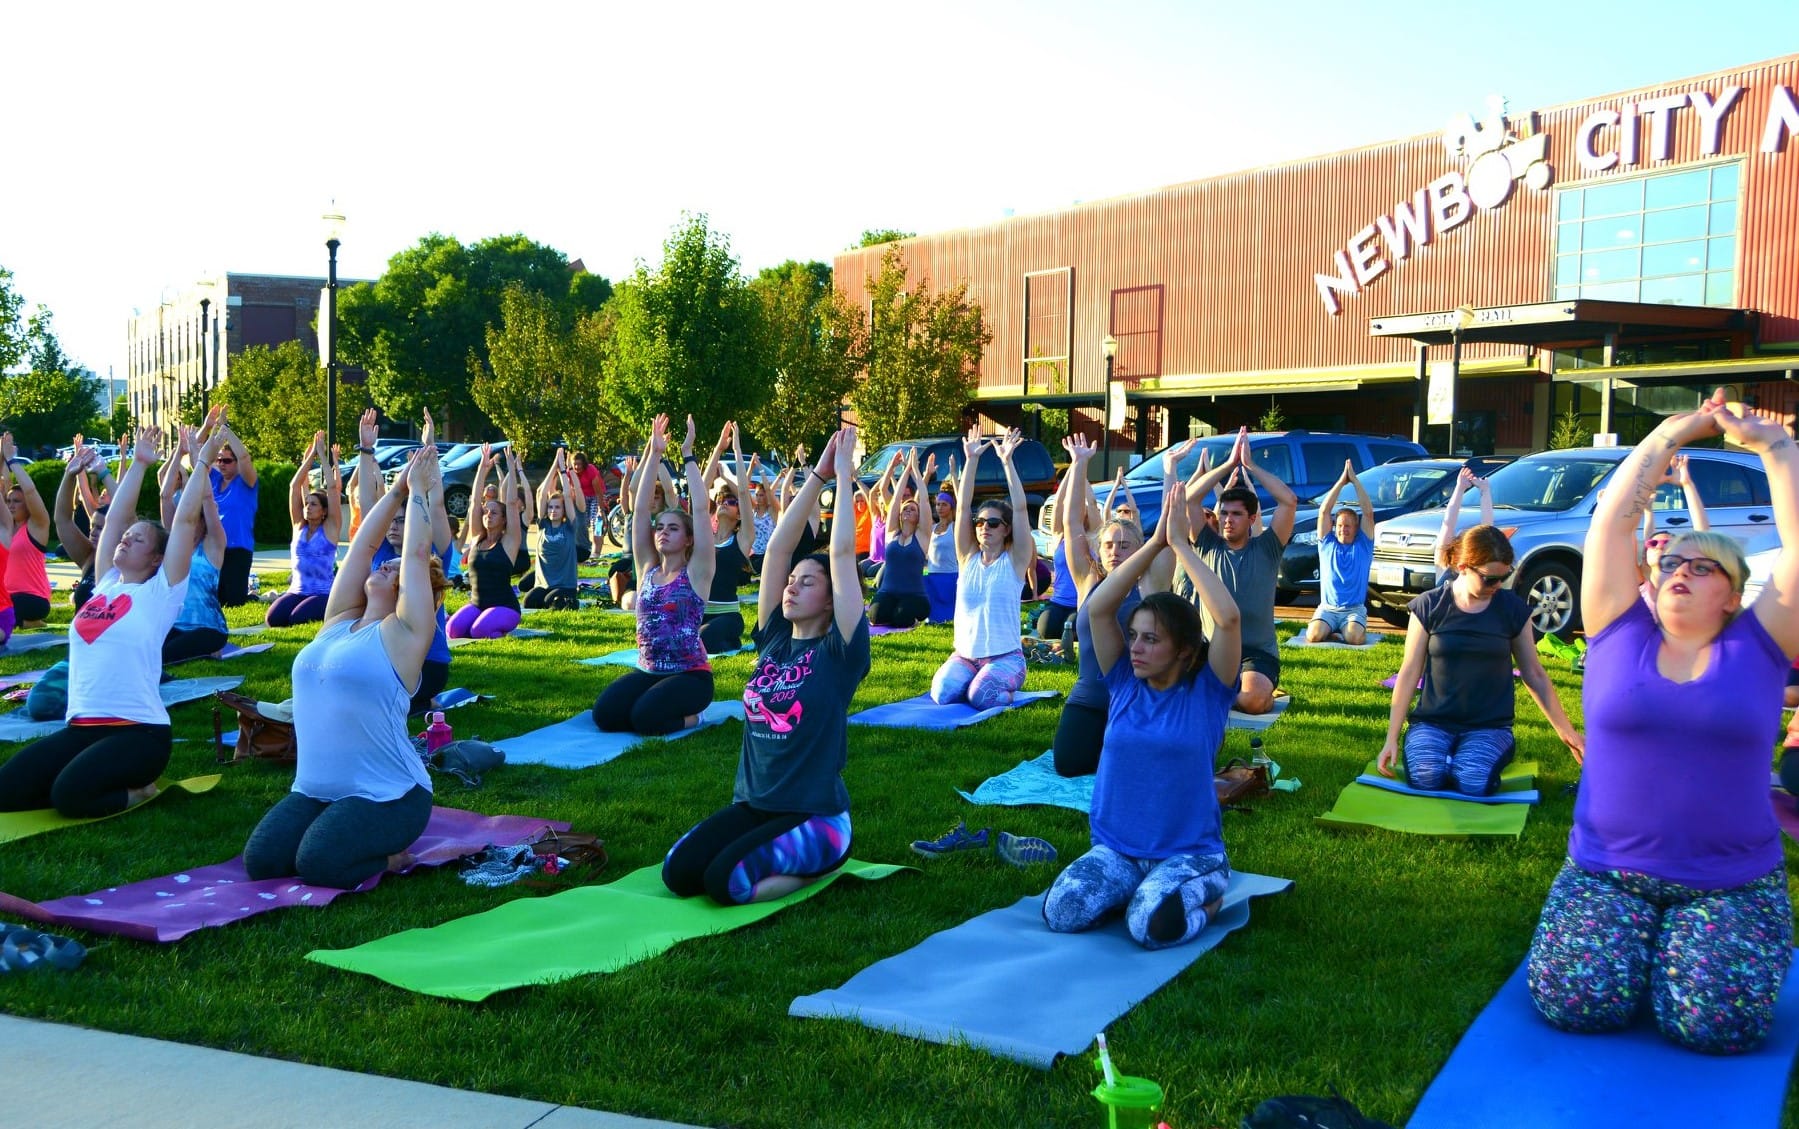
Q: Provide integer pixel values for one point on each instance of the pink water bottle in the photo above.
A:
(437, 734)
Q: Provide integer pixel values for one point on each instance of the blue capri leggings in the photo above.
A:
(982, 683)
(1710, 962)
(1468, 762)
(733, 849)
(1162, 899)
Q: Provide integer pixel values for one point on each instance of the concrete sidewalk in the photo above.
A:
(59, 1076)
(64, 574)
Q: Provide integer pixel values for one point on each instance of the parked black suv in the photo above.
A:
(1036, 469)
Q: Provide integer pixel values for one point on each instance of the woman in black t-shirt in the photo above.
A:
(788, 823)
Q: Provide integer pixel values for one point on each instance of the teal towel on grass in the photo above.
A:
(1034, 782)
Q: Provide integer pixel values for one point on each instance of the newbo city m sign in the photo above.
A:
(1499, 155)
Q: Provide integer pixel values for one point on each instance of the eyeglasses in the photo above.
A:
(1489, 580)
(727, 500)
(1698, 566)
(1659, 541)
(992, 522)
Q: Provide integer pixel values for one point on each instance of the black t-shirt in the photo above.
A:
(1468, 671)
(731, 571)
(796, 718)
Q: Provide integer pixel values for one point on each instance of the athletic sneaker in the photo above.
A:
(957, 838)
(1024, 850)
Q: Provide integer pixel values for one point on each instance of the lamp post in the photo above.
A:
(334, 224)
(207, 372)
(1110, 347)
(1464, 320)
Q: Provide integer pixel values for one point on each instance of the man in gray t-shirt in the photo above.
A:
(1248, 562)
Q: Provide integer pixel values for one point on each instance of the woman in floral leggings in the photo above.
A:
(1674, 893)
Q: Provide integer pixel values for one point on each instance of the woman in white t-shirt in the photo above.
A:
(117, 741)
(361, 796)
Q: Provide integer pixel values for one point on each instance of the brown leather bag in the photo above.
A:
(1240, 781)
(259, 736)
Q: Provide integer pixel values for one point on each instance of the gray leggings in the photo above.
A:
(335, 843)
(1161, 898)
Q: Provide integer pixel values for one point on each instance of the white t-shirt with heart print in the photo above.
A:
(115, 649)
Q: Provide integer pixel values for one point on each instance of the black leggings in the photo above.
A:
(433, 677)
(562, 599)
(722, 634)
(191, 642)
(336, 843)
(731, 850)
(84, 771)
(652, 704)
(1053, 619)
(891, 610)
(29, 608)
(234, 577)
(1079, 736)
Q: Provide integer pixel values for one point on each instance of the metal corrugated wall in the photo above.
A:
(1236, 254)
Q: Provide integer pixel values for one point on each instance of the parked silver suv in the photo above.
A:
(1544, 503)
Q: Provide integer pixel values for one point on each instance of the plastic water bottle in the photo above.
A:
(255, 588)
(437, 734)
(1256, 755)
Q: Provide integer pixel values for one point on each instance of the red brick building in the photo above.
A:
(1614, 256)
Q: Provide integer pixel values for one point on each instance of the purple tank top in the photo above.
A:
(1676, 777)
(668, 625)
(315, 562)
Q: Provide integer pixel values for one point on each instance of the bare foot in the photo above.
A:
(136, 796)
(690, 721)
(1211, 908)
(399, 861)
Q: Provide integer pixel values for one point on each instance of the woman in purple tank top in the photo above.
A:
(1674, 897)
(675, 559)
(317, 522)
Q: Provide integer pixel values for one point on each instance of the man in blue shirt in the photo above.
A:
(233, 478)
(1345, 554)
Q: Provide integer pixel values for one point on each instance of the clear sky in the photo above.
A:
(153, 144)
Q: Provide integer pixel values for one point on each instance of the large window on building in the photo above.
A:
(1667, 238)
(1048, 331)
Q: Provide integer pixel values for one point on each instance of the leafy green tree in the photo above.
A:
(44, 409)
(922, 360)
(687, 336)
(812, 337)
(276, 398)
(121, 422)
(876, 236)
(542, 382)
(421, 329)
(13, 342)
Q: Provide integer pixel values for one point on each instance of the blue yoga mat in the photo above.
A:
(15, 726)
(1512, 1068)
(578, 743)
(1375, 780)
(1034, 782)
(33, 641)
(1256, 722)
(922, 713)
(628, 658)
(983, 982)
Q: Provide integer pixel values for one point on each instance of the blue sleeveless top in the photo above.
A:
(1089, 684)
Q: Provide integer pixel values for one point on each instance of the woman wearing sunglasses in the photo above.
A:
(1674, 896)
(1655, 541)
(1464, 639)
(996, 560)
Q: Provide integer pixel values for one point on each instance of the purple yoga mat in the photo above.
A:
(1786, 813)
(169, 908)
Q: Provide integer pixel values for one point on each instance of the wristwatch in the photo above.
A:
(366, 450)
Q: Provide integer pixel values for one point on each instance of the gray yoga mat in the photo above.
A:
(32, 641)
(578, 743)
(1002, 982)
(15, 726)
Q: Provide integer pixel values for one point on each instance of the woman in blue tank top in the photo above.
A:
(900, 599)
(361, 796)
(317, 523)
(200, 629)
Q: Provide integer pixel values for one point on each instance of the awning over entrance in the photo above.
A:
(1562, 323)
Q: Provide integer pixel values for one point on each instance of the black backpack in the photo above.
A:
(1307, 1111)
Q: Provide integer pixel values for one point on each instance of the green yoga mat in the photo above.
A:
(24, 824)
(1360, 807)
(575, 933)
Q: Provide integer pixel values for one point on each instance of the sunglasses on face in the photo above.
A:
(991, 522)
(223, 461)
(727, 501)
(1698, 566)
(1489, 580)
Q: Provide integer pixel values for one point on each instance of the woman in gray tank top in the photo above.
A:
(361, 796)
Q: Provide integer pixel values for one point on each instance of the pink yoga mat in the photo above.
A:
(169, 908)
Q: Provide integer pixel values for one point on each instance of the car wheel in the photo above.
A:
(1553, 593)
(618, 526)
(456, 502)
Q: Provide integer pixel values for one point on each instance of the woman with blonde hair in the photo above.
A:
(361, 795)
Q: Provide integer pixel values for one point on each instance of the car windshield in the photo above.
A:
(1396, 484)
(1548, 485)
(877, 462)
(1150, 469)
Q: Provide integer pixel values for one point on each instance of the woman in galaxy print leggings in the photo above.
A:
(788, 823)
(1674, 893)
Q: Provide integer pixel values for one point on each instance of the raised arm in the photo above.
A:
(178, 556)
(1286, 503)
(1327, 509)
(215, 529)
(124, 501)
(777, 558)
(715, 461)
(296, 487)
(1206, 479)
(37, 515)
(368, 472)
(1076, 543)
(246, 468)
(1363, 501)
(512, 496)
(643, 540)
(1106, 639)
(407, 633)
(347, 593)
(1452, 516)
(1224, 652)
(1609, 580)
(1024, 549)
(703, 560)
(1681, 475)
(971, 454)
(170, 479)
(76, 544)
(846, 580)
(1778, 605)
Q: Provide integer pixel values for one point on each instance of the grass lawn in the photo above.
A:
(1364, 976)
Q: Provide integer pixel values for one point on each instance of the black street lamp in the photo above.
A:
(1463, 321)
(1110, 347)
(334, 224)
(208, 370)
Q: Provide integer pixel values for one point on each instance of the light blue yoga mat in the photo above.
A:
(1513, 1068)
(515, 633)
(922, 713)
(628, 657)
(1004, 983)
(578, 743)
(1256, 722)
(15, 726)
(1034, 782)
(1375, 780)
(32, 641)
